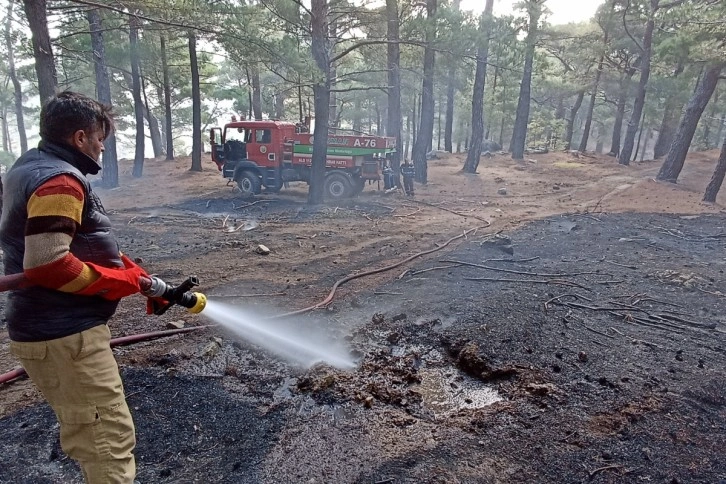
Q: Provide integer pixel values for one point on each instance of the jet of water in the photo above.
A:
(283, 339)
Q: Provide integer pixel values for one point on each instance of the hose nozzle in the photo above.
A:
(182, 295)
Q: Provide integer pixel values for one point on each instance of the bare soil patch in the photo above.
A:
(590, 347)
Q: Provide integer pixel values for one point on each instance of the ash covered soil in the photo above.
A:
(545, 347)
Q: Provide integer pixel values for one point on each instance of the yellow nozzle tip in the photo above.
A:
(200, 304)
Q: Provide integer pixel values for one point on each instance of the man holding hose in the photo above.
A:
(55, 231)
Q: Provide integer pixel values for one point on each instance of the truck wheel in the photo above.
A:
(337, 186)
(248, 183)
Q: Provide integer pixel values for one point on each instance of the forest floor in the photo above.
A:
(591, 349)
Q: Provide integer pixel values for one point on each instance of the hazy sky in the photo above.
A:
(563, 11)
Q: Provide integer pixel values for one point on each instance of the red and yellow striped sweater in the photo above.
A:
(54, 214)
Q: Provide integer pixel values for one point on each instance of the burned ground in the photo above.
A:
(591, 349)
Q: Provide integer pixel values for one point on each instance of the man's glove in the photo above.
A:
(115, 283)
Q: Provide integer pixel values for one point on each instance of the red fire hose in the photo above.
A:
(120, 341)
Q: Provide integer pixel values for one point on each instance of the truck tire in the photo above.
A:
(249, 183)
(338, 186)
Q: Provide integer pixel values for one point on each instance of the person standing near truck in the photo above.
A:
(55, 231)
(408, 172)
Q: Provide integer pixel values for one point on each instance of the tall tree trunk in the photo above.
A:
(414, 121)
(196, 105)
(393, 128)
(321, 89)
(154, 132)
(640, 136)
(593, 97)
(256, 91)
(438, 124)
(721, 124)
(333, 34)
(357, 118)
(639, 102)
(620, 112)
(667, 127)
(591, 107)
(706, 139)
(450, 91)
(168, 132)
(477, 104)
(17, 89)
(426, 127)
(103, 88)
(571, 121)
(717, 179)
(35, 12)
(519, 135)
(280, 104)
(134, 23)
(4, 129)
(670, 120)
(676, 156)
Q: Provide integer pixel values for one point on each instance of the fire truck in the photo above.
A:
(268, 154)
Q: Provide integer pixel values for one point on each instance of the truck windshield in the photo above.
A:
(239, 134)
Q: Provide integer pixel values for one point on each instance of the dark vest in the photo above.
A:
(37, 313)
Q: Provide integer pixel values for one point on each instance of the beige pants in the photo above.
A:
(79, 377)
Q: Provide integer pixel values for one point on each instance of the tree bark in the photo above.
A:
(103, 89)
(393, 128)
(17, 88)
(670, 120)
(620, 113)
(571, 121)
(168, 133)
(667, 127)
(706, 139)
(450, 92)
(717, 179)
(256, 91)
(280, 105)
(321, 90)
(196, 105)
(134, 23)
(519, 135)
(676, 156)
(35, 12)
(426, 126)
(591, 107)
(639, 102)
(154, 132)
(477, 105)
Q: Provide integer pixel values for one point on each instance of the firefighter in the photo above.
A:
(388, 176)
(408, 172)
(55, 231)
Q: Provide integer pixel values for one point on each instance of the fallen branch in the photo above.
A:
(384, 293)
(408, 214)
(530, 281)
(488, 223)
(512, 271)
(620, 265)
(606, 468)
(432, 269)
(251, 203)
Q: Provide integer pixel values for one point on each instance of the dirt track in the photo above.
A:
(602, 346)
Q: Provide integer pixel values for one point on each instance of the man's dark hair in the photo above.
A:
(70, 111)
